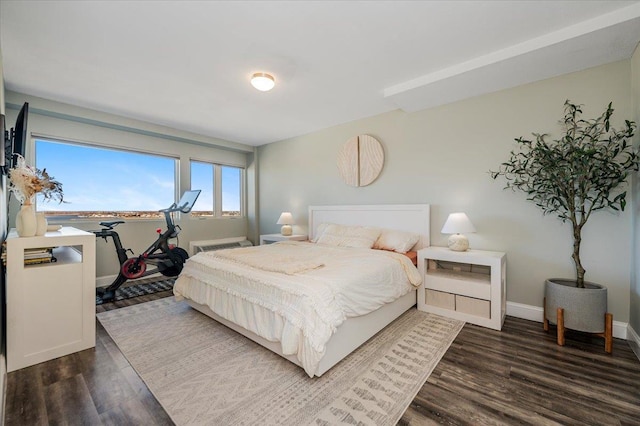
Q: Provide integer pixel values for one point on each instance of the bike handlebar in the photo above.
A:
(185, 204)
(184, 208)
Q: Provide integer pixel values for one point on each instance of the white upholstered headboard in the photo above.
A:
(399, 217)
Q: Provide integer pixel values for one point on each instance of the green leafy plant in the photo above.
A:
(577, 174)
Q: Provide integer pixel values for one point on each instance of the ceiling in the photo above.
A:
(186, 64)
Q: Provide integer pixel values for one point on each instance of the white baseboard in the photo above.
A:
(528, 312)
(634, 340)
(105, 281)
(535, 313)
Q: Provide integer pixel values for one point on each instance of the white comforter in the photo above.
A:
(296, 293)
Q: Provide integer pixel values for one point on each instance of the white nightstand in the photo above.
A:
(468, 285)
(272, 238)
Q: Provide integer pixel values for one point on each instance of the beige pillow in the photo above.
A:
(349, 236)
(398, 241)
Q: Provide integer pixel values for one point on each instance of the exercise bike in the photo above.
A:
(165, 258)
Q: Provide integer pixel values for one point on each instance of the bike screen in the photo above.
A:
(187, 200)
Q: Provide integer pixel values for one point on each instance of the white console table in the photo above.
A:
(50, 306)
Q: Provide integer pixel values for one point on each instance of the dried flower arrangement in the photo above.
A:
(26, 181)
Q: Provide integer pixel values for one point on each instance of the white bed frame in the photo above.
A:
(354, 331)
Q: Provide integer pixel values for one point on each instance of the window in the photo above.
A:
(202, 178)
(101, 182)
(221, 189)
(231, 190)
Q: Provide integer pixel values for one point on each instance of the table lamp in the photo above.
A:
(286, 220)
(456, 225)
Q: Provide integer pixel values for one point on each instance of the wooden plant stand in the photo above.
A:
(607, 334)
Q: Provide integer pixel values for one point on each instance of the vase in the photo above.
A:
(584, 308)
(41, 224)
(26, 221)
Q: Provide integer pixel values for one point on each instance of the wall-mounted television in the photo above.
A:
(16, 138)
(19, 133)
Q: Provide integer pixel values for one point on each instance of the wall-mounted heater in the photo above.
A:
(219, 244)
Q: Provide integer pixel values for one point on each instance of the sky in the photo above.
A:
(97, 179)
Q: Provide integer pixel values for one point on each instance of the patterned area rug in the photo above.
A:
(206, 374)
(140, 288)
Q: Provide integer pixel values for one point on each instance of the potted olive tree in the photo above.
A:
(573, 176)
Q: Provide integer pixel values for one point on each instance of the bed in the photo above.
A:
(245, 289)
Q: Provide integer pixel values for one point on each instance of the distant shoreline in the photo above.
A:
(126, 215)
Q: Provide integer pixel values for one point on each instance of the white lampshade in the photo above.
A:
(286, 220)
(263, 81)
(457, 224)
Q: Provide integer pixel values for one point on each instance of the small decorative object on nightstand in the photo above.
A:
(286, 220)
(469, 286)
(458, 224)
(274, 238)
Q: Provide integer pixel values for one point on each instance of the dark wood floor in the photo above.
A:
(517, 376)
(521, 376)
(91, 387)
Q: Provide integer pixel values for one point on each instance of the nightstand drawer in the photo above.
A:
(440, 299)
(455, 283)
(469, 305)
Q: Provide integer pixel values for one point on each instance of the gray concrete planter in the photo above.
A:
(584, 308)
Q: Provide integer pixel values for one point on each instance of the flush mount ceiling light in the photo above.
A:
(263, 81)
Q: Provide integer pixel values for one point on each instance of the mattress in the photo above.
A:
(296, 293)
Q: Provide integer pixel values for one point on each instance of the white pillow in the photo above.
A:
(349, 236)
(319, 231)
(397, 241)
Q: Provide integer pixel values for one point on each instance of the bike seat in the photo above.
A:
(111, 224)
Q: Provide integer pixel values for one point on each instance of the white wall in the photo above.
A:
(442, 156)
(66, 122)
(634, 293)
(3, 231)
